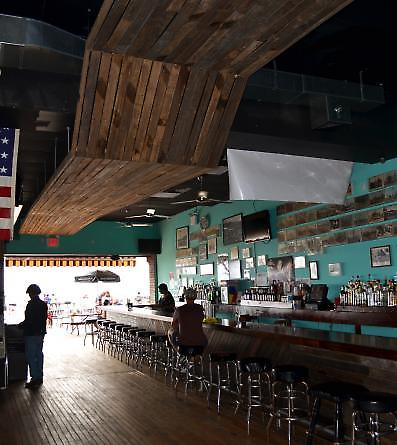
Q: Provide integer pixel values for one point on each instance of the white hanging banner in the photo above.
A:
(255, 175)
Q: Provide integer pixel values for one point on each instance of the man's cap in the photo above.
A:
(33, 289)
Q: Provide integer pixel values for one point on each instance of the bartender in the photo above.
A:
(166, 302)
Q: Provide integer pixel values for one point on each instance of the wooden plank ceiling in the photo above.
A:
(160, 86)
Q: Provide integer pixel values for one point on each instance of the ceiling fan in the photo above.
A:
(150, 213)
(202, 196)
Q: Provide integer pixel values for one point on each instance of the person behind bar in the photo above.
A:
(34, 329)
(166, 301)
(187, 324)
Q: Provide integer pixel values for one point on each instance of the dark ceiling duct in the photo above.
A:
(40, 68)
(28, 44)
(331, 101)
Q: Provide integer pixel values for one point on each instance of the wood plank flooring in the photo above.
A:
(91, 398)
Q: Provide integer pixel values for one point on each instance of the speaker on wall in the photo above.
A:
(149, 245)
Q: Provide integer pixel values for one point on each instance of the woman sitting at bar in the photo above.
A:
(187, 324)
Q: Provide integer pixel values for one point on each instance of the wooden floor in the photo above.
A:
(91, 398)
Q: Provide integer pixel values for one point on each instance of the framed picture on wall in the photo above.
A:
(211, 246)
(313, 268)
(203, 251)
(380, 256)
(232, 229)
(234, 253)
(182, 237)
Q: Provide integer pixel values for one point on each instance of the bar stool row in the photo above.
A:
(281, 392)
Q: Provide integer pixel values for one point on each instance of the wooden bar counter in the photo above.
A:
(369, 360)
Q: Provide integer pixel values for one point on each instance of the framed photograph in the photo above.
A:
(249, 263)
(335, 269)
(299, 262)
(313, 268)
(390, 178)
(245, 253)
(262, 259)
(203, 251)
(234, 253)
(207, 269)
(223, 267)
(375, 182)
(211, 246)
(380, 256)
(232, 229)
(280, 269)
(235, 270)
(182, 237)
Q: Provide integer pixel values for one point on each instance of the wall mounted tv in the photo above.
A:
(256, 227)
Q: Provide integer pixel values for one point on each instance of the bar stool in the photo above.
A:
(158, 352)
(255, 371)
(101, 336)
(115, 341)
(131, 343)
(107, 334)
(337, 393)
(289, 388)
(188, 359)
(124, 341)
(376, 407)
(143, 346)
(226, 365)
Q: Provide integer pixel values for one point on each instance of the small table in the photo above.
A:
(76, 321)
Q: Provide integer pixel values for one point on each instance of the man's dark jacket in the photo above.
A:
(35, 317)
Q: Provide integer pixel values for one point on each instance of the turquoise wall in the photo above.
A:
(355, 258)
(99, 238)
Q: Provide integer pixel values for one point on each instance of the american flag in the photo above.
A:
(9, 139)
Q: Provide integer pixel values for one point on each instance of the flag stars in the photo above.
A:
(4, 155)
(3, 170)
(4, 140)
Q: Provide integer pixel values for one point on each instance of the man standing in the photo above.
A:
(34, 329)
(166, 301)
(187, 323)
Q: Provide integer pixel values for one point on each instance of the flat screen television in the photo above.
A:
(149, 245)
(256, 227)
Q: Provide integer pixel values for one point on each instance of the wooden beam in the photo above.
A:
(160, 87)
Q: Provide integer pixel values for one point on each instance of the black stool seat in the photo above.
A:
(255, 364)
(376, 402)
(190, 351)
(290, 373)
(223, 356)
(337, 391)
(134, 329)
(144, 334)
(158, 338)
(120, 326)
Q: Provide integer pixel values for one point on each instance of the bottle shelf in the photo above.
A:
(274, 304)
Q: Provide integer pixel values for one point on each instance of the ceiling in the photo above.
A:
(355, 44)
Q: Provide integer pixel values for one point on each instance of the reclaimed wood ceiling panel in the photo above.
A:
(160, 87)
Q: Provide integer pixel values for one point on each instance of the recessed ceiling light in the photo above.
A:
(165, 195)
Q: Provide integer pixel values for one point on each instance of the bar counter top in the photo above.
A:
(364, 345)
